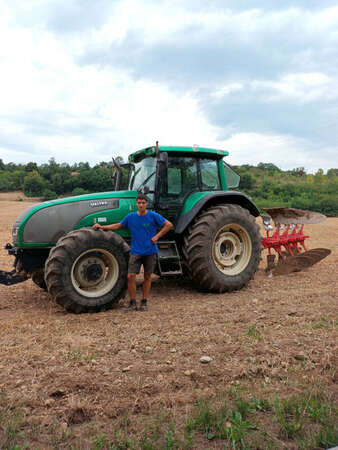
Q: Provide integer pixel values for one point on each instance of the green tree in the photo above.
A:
(4, 182)
(332, 173)
(61, 181)
(34, 184)
(31, 166)
(16, 179)
(268, 167)
(82, 166)
(100, 180)
(298, 172)
(246, 182)
(319, 176)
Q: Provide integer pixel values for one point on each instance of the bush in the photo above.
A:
(48, 194)
(34, 185)
(246, 182)
(79, 191)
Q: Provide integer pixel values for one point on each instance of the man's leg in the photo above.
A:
(148, 265)
(132, 292)
(145, 289)
(132, 286)
(146, 284)
(133, 269)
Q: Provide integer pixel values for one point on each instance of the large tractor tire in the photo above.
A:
(87, 270)
(38, 278)
(222, 248)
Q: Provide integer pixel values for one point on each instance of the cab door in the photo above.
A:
(176, 182)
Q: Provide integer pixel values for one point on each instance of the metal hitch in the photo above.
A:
(11, 277)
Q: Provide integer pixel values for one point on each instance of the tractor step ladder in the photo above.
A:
(168, 259)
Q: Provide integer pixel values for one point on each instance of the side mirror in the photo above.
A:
(145, 190)
(115, 174)
(163, 159)
(113, 171)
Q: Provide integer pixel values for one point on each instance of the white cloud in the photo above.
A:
(227, 89)
(286, 152)
(52, 106)
(303, 87)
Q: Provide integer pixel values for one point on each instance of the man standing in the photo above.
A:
(142, 225)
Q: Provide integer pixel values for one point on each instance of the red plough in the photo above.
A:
(288, 240)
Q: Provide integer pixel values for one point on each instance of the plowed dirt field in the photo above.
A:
(82, 374)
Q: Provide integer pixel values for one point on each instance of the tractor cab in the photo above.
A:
(169, 176)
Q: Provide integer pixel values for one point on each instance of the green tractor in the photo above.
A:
(215, 240)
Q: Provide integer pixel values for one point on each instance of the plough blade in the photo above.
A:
(300, 262)
(294, 216)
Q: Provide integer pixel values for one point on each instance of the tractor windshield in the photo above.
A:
(143, 174)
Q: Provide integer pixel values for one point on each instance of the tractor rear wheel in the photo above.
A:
(87, 270)
(223, 248)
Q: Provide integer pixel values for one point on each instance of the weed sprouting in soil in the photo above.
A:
(322, 323)
(162, 435)
(289, 416)
(260, 404)
(10, 424)
(254, 333)
(231, 419)
(309, 419)
(75, 355)
(223, 423)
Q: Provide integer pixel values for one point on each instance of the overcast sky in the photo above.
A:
(85, 80)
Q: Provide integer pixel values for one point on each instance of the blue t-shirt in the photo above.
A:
(142, 229)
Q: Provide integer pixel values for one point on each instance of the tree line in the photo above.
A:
(265, 183)
(53, 180)
(270, 186)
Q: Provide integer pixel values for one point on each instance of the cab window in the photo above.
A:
(209, 175)
(181, 177)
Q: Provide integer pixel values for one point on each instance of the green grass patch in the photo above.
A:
(254, 333)
(233, 420)
(74, 355)
(309, 419)
(324, 324)
(10, 425)
(77, 355)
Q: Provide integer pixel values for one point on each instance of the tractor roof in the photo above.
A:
(201, 151)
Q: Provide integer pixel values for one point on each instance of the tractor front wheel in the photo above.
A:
(223, 248)
(87, 270)
(39, 279)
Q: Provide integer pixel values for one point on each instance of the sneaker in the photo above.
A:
(143, 306)
(132, 306)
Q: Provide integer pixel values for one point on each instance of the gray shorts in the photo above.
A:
(136, 261)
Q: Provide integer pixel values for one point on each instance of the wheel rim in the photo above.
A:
(94, 273)
(231, 249)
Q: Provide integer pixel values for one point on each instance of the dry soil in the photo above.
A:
(85, 372)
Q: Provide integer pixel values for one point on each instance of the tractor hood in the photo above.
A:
(44, 223)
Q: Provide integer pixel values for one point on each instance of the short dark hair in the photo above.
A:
(142, 197)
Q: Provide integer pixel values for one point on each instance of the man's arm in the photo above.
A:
(113, 226)
(166, 227)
